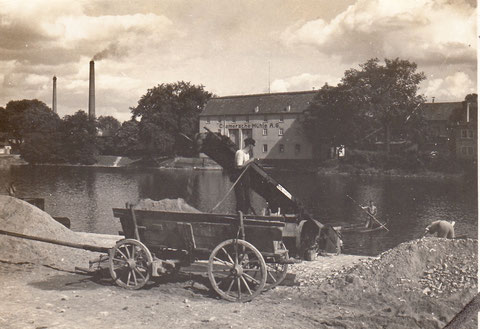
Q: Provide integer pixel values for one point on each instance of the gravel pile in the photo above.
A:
(177, 205)
(419, 284)
(433, 266)
(447, 278)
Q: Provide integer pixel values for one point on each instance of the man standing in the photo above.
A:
(242, 189)
(372, 212)
(443, 229)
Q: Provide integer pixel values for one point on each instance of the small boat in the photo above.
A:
(362, 228)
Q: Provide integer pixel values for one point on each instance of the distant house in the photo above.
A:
(5, 149)
(451, 128)
(271, 119)
(437, 116)
(464, 131)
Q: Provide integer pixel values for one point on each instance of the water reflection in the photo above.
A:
(87, 196)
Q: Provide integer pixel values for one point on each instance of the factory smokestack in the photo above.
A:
(54, 96)
(91, 94)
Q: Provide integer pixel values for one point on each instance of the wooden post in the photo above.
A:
(135, 226)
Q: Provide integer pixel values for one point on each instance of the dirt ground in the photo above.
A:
(327, 293)
(39, 297)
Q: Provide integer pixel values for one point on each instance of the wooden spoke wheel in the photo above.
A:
(130, 264)
(237, 270)
(276, 273)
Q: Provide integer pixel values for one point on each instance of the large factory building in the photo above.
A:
(271, 119)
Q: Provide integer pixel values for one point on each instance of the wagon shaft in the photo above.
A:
(56, 242)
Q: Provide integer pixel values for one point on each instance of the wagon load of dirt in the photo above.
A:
(175, 205)
(18, 216)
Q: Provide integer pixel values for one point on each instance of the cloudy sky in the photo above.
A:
(230, 47)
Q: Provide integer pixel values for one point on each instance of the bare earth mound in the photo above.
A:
(21, 217)
(419, 284)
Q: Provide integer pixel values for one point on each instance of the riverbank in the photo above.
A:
(7, 160)
(418, 284)
(351, 171)
(209, 165)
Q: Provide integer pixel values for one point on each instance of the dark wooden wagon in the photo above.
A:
(245, 254)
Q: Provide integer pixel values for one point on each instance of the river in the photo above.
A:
(87, 195)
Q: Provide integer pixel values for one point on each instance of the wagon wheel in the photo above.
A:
(130, 264)
(276, 273)
(237, 270)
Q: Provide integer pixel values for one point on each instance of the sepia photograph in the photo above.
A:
(238, 164)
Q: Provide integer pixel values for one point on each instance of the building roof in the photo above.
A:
(439, 111)
(291, 102)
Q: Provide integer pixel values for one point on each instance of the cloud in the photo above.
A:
(429, 32)
(51, 32)
(45, 38)
(451, 88)
(304, 81)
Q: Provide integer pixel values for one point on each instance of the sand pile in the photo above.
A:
(21, 217)
(419, 284)
(177, 205)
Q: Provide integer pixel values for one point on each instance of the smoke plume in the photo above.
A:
(113, 50)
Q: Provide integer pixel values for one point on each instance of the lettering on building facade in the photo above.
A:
(249, 125)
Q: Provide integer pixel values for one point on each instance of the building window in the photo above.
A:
(282, 148)
(265, 148)
(281, 118)
(464, 150)
(265, 118)
(470, 133)
(280, 131)
(470, 151)
(265, 132)
(297, 148)
(234, 119)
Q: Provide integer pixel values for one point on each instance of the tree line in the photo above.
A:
(41, 136)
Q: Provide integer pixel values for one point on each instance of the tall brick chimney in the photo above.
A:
(91, 93)
(54, 96)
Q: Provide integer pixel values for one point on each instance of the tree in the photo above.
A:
(42, 139)
(167, 110)
(107, 128)
(108, 125)
(331, 119)
(3, 120)
(126, 139)
(388, 94)
(374, 99)
(78, 136)
(16, 124)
